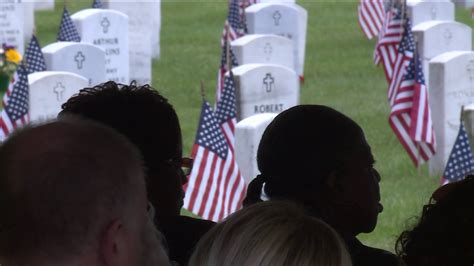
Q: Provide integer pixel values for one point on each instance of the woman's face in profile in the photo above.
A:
(360, 191)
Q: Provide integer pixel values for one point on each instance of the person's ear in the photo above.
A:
(113, 243)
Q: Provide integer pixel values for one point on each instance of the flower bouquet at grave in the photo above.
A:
(9, 61)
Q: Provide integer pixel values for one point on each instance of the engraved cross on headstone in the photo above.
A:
(276, 18)
(448, 35)
(268, 81)
(268, 50)
(433, 12)
(79, 58)
(105, 23)
(470, 70)
(59, 89)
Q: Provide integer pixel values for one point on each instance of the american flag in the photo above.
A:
(34, 57)
(15, 104)
(97, 4)
(224, 67)
(410, 116)
(226, 111)
(234, 28)
(388, 43)
(67, 30)
(215, 188)
(371, 16)
(460, 162)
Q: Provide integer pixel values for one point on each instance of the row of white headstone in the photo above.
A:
(444, 45)
(445, 48)
(108, 51)
(267, 80)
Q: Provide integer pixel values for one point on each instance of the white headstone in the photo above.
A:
(29, 20)
(12, 24)
(107, 29)
(464, 3)
(155, 36)
(468, 118)
(144, 22)
(248, 134)
(265, 89)
(288, 20)
(44, 4)
(49, 90)
(451, 86)
(84, 59)
(437, 37)
(264, 49)
(422, 11)
(278, 1)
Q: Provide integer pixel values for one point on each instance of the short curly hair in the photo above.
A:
(444, 235)
(140, 113)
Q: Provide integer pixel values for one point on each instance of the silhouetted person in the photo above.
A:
(316, 156)
(444, 234)
(73, 192)
(151, 123)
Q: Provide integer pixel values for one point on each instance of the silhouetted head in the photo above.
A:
(72, 192)
(271, 233)
(148, 121)
(317, 156)
(444, 234)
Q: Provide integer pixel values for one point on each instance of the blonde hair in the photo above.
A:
(271, 233)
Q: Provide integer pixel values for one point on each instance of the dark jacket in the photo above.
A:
(182, 234)
(366, 256)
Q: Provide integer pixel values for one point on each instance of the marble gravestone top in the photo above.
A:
(284, 19)
(144, 18)
(437, 37)
(29, 20)
(423, 11)
(468, 118)
(107, 29)
(49, 90)
(264, 49)
(43, 4)
(142, 32)
(264, 88)
(248, 134)
(83, 59)
(451, 86)
(12, 24)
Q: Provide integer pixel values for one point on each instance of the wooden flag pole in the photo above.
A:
(203, 93)
(404, 14)
(415, 62)
(227, 49)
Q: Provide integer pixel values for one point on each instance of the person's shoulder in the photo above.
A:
(184, 225)
(182, 234)
(368, 256)
(194, 222)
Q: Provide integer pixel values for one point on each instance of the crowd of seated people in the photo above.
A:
(102, 185)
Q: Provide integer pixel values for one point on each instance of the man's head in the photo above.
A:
(148, 121)
(72, 192)
(318, 156)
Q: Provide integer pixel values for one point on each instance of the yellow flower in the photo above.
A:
(13, 56)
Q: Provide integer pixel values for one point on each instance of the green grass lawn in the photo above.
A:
(338, 73)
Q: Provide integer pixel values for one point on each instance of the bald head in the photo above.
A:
(61, 185)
